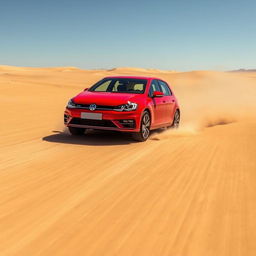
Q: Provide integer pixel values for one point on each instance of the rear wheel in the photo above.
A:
(176, 120)
(76, 131)
(144, 132)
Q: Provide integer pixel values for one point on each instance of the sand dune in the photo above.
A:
(129, 70)
(186, 192)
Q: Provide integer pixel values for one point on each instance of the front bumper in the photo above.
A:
(111, 120)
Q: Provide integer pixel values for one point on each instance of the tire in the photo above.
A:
(76, 131)
(176, 120)
(144, 132)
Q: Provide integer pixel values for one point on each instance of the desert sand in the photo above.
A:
(190, 192)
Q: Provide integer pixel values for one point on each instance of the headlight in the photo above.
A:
(71, 104)
(130, 106)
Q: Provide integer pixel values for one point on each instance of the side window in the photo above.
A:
(165, 88)
(154, 87)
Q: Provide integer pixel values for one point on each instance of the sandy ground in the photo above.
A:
(190, 192)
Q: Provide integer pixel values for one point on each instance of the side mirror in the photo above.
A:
(86, 89)
(157, 94)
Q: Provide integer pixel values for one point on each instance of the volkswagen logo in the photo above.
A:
(92, 107)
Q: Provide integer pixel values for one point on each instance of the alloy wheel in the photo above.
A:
(176, 120)
(145, 126)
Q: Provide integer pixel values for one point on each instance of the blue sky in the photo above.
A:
(173, 35)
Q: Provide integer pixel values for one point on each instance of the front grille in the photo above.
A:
(90, 122)
(98, 107)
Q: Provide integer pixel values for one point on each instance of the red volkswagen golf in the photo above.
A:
(124, 103)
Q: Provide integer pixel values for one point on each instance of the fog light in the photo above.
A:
(127, 123)
(66, 117)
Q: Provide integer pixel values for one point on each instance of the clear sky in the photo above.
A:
(164, 34)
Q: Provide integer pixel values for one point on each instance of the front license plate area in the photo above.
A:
(93, 116)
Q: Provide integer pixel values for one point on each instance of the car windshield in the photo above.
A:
(120, 85)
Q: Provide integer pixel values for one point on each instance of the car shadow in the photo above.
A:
(92, 138)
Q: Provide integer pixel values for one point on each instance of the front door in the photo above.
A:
(158, 104)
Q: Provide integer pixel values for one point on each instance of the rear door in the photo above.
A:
(168, 101)
(158, 106)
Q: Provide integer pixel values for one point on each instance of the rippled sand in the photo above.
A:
(189, 192)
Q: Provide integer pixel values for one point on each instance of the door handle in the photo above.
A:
(164, 101)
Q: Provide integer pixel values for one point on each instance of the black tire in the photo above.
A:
(76, 131)
(144, 132)
(176, 120)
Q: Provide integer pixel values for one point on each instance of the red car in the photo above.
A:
(124, 103)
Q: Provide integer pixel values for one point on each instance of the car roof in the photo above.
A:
(134, 77)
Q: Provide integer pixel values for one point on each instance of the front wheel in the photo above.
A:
(76, 131)
(144, 132)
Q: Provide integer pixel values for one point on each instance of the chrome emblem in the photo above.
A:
(92, 107)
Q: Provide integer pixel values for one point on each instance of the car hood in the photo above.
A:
(105, 98)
